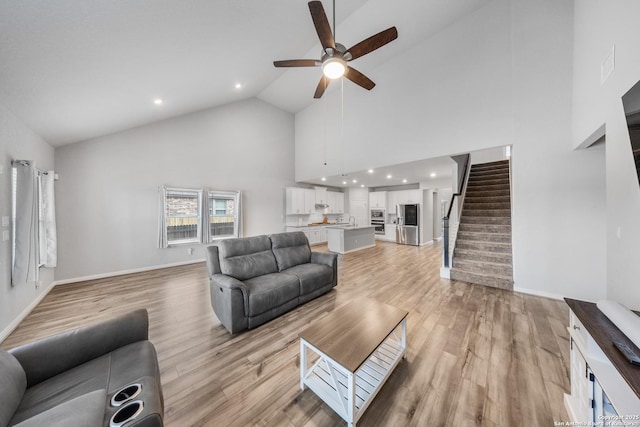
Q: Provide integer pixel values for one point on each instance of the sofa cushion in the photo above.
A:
(247, 257)
(311, 276)
(290, 249)
(12, 386)
(269, 291)
(85, 410)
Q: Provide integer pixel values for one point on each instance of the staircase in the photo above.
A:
(482, 253)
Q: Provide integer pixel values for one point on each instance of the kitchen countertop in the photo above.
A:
(350, 227)
(328, 224)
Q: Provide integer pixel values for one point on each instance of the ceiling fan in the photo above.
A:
(334, 55)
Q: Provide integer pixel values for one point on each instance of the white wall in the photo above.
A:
(599, 26)
(500, 76)
(558, 193)
(18, 142)
(108, 187)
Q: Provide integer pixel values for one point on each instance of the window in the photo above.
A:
(197, 216)
(182, 216)
(223, 214)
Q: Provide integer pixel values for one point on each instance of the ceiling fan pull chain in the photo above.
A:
(342, 119)
(324, 108)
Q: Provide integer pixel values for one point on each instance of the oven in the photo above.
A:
(377, 220)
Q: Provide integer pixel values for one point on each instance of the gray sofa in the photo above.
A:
(74, 378)
(255, 279)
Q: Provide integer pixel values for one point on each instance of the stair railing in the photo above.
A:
(449, 237)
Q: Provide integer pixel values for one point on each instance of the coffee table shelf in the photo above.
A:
(349, 390)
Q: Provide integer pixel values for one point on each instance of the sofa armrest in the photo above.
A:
(228, 282)
(230, 301)
(53, 355)
(327, 258)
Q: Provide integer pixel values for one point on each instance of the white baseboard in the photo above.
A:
(445, 273)
(13, 325)
(123, 272)
(538, 293)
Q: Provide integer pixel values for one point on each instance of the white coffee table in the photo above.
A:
(357, 347)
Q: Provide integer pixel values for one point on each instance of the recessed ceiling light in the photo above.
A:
(354, 181)
(389, 176)
(344, 182)
(404, 181)
(361, 185)
(433, 175)
(238, 86)
(370, 171)
(158, 101)
(323, 178)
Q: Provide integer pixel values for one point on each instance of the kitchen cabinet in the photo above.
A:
(389, 233)
(407, 197)
(392, 201)
(294, 200)
(321, 195)
(300, 201)
(378, 200)
(336, 202)
(315, 235)
(309, 200)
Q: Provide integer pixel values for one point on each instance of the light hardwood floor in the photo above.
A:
(476, 355)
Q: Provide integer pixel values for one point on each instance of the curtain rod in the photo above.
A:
(28, 163)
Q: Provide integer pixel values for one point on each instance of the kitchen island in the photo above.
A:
(349, 238)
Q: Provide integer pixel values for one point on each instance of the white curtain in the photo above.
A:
(48, 246)
(24, 215)
(205, 233)
(162, 218)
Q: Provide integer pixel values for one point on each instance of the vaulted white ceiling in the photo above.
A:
(72, 70)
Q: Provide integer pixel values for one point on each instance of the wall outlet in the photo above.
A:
(38, 284)
(5, 235)
(190, 251)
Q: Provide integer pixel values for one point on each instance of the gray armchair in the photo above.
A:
(70, 379)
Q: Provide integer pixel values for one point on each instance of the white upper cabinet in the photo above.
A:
(378, 200)
(339, 203)
(294, 201)
(336, 202)
(407, 197)
(309, 200)
(300, 201)
(392, 201)
(321, 195)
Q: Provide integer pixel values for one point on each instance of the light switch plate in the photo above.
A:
(5, 221)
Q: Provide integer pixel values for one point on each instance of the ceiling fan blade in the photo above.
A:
(358, 78)
(372, 43)
(297, 63)
(322, 86)
(321, 23)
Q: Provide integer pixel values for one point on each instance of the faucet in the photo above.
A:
(355, 222)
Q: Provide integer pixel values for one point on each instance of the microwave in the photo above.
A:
(377, 214)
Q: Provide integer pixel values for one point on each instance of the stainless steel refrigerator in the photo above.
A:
(408, 224)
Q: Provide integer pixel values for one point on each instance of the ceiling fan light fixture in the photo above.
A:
(334, 68)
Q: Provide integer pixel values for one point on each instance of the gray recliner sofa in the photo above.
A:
(76, 378)
(255, 279)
